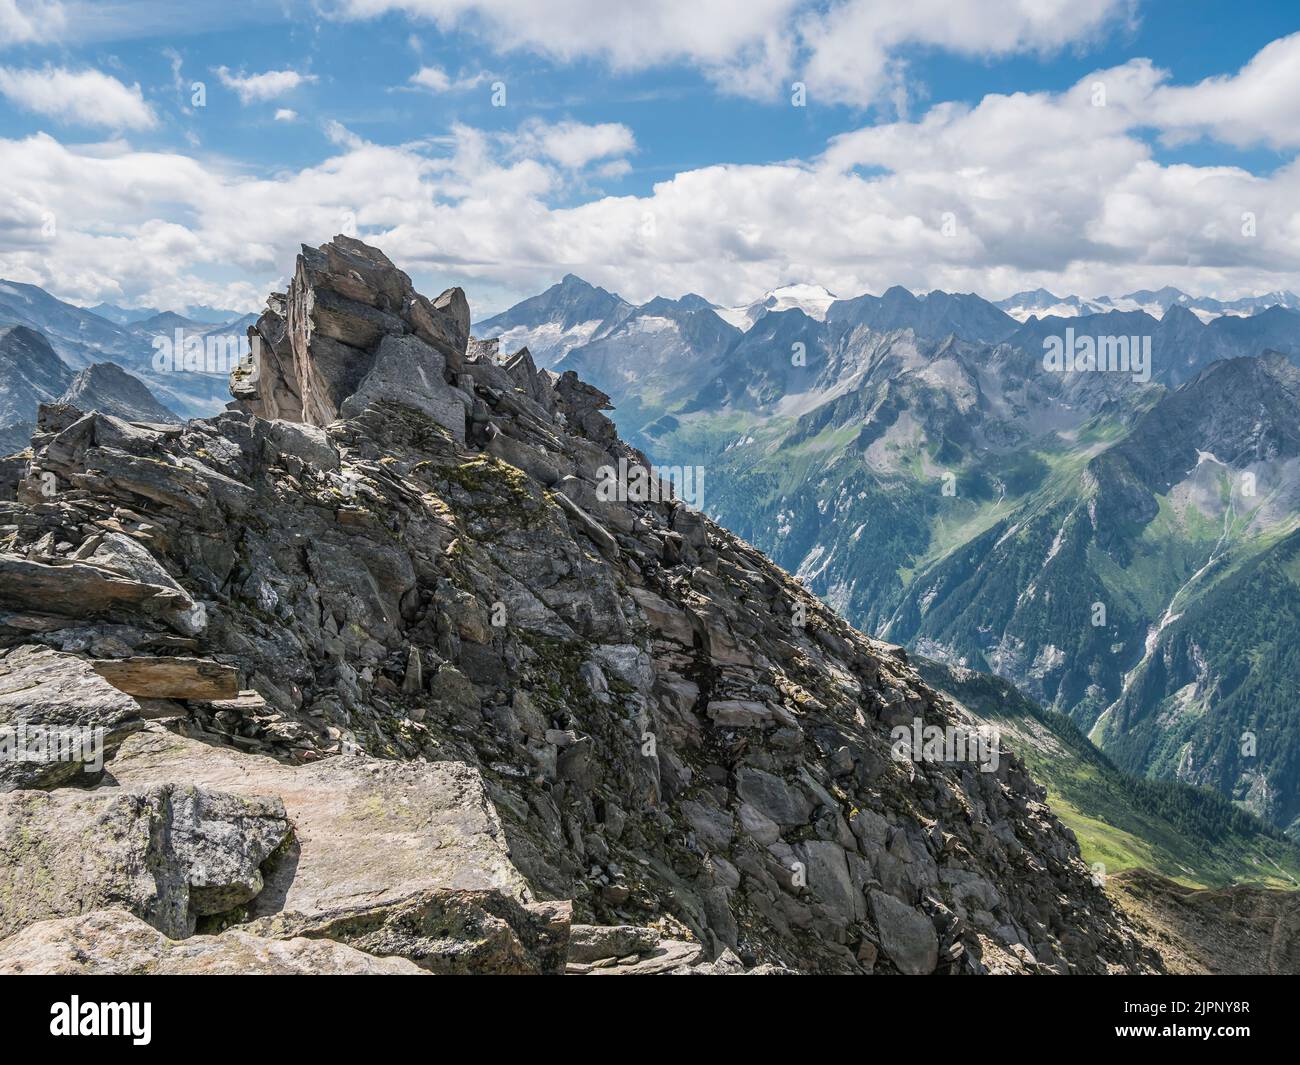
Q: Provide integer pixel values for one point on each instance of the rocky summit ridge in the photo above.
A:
(387, 683)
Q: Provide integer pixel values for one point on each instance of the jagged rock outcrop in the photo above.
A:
(606, 705)
(353, 328)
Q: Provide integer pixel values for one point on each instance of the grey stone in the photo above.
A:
(383, 850)
(757, 825)
(409, 372)
(58, 717)
(773, 797)
(712, 826)
(906, 936)
(829, 879)
(588, 943)
(169, 853)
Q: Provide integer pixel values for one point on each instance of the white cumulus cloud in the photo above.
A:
(437, 80)
(1016, 191)
(1260, 104)
(846, 50)
(573, 144)
(851, 47)
(30, 21)
(81, 97)
(257, 88)
(628, 35)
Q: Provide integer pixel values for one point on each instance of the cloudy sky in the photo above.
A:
(155, 153)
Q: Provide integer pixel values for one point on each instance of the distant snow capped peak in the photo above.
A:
(1044, 304)
(813, 300)
(569, 313)
(1157, 303)
(801, 291)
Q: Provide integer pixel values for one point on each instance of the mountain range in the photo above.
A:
(385, 685)
(1123, 550)
(449, 707)
(1120, 545)
(81, 337)
(1039, 302)
(132, 315)
(572, 312)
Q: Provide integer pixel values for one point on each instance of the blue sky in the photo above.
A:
(655, 150)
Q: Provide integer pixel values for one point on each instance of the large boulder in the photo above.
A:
(906, 936)
(829, 878)
(590, 943)
(169, 853)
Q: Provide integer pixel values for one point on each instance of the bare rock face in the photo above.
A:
(115, 943)
(495, 701)
(268, 384)
(409, 371)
